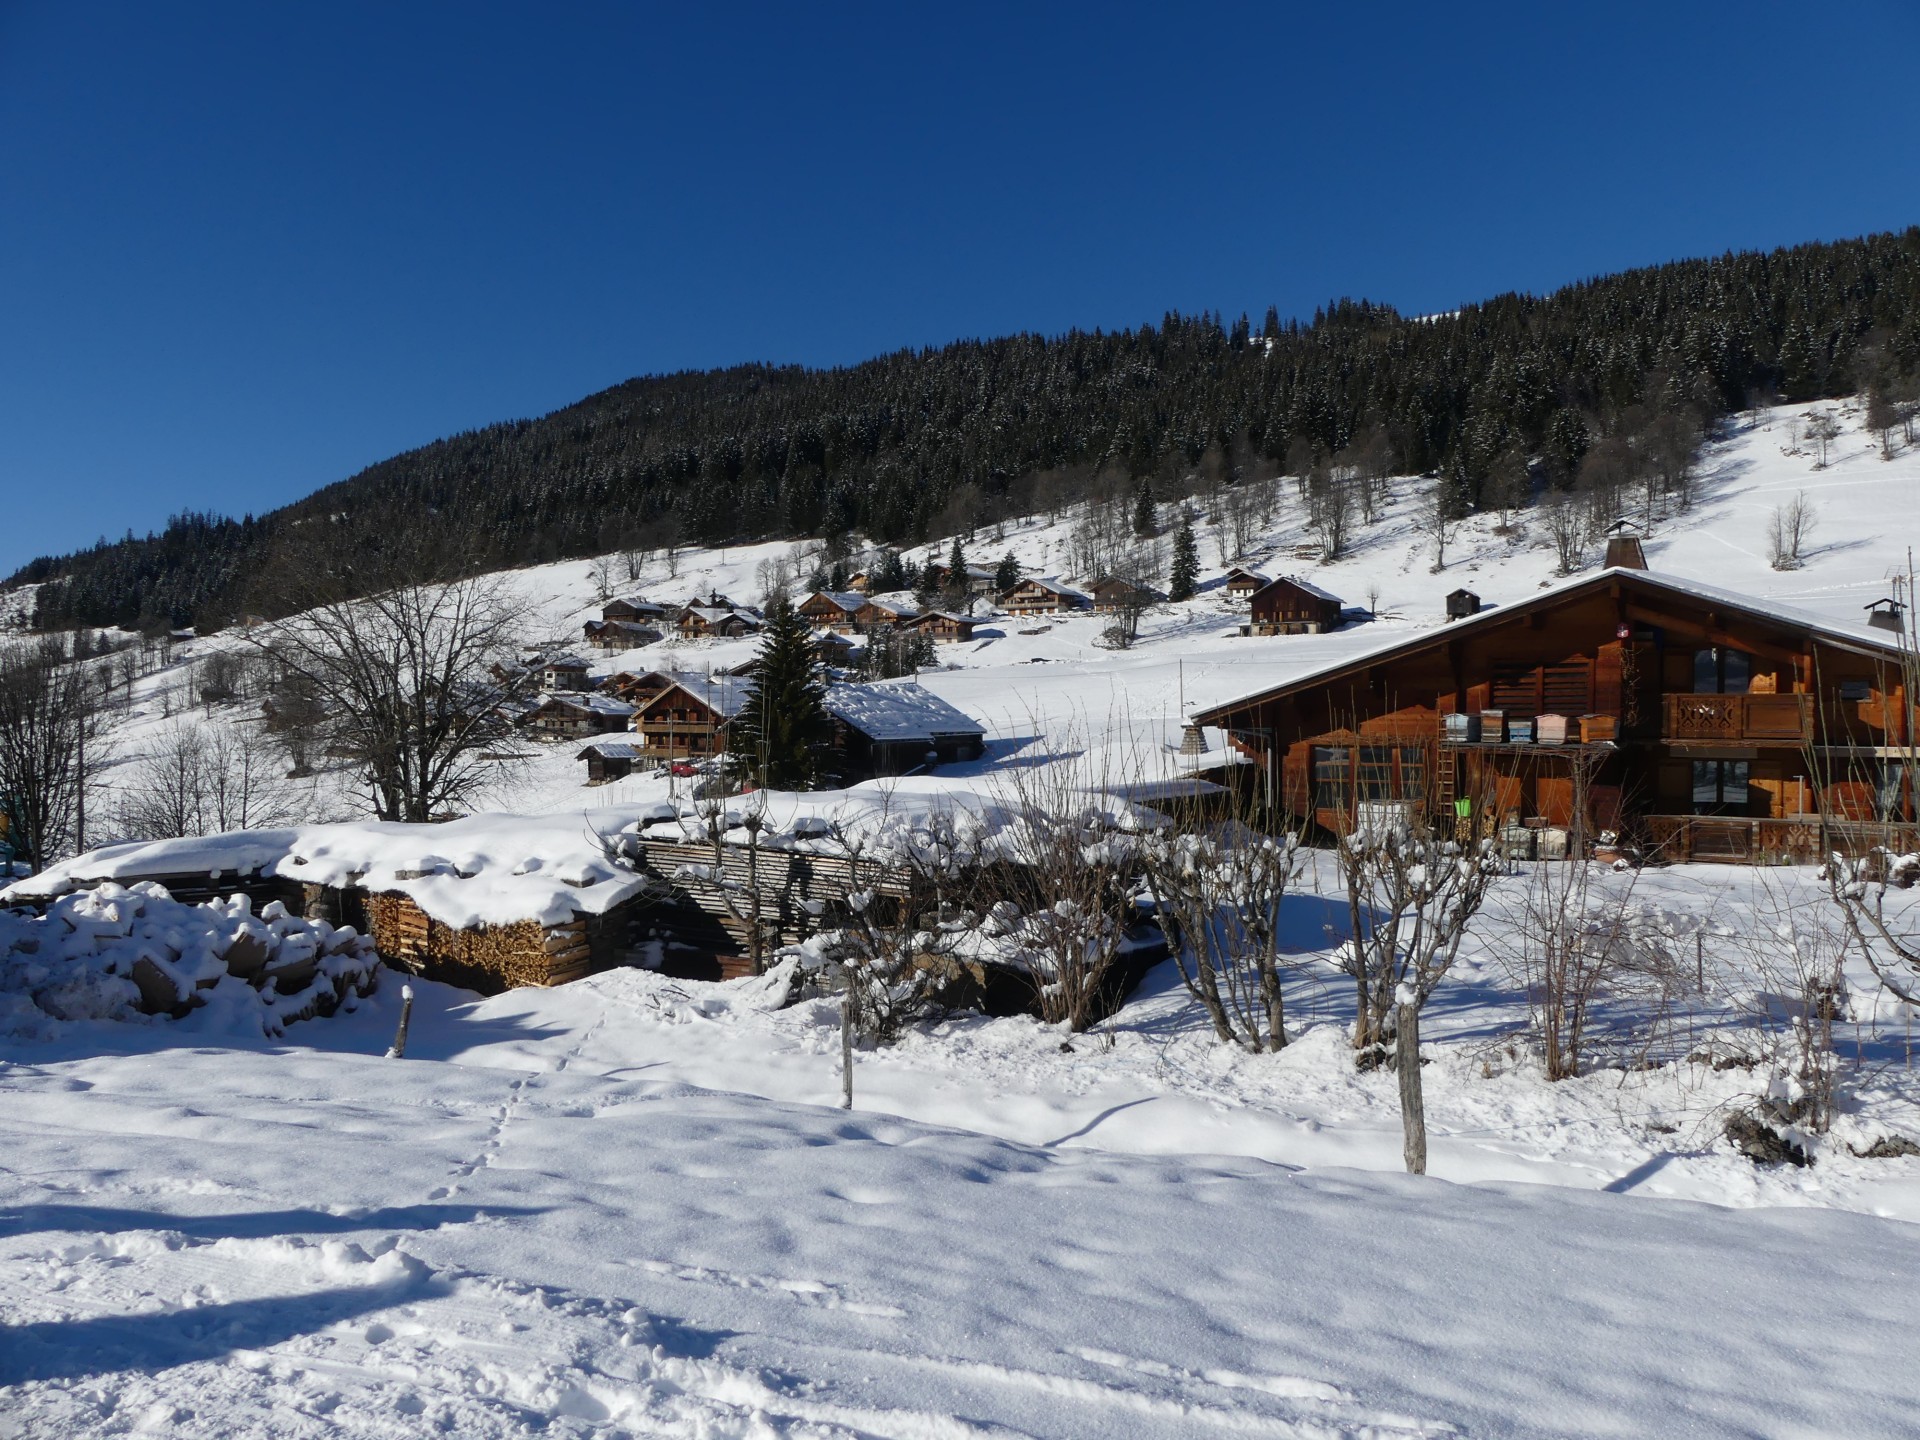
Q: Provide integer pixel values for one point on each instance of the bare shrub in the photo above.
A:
(1219, 895)
(1578, 942)
(1411, 893)
(1068, 899)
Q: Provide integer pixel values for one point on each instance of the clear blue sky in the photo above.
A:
(250, 249)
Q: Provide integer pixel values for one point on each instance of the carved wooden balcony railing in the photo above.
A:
(1739, 718)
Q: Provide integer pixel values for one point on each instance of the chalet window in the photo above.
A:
(1719, 787)
(1332, 777)
(1721, 671)
(1854, 691)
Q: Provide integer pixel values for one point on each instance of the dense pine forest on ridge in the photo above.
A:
(1518, 390)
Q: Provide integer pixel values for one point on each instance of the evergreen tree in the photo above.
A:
(779, 737)
(1145, 521)
(1185, 578)
(1006, 574)
(957, 567)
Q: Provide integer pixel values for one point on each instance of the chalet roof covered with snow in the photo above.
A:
(1307, 587)
(898, 711)
(723, 694)
(1053, 587)
(1856, 637)
(847, 600)
(584, 701)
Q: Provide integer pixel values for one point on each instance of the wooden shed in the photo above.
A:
(609, 760)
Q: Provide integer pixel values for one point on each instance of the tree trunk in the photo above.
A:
(1413, 1108)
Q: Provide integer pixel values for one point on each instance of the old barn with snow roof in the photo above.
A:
(897, 727)
(1706, 724)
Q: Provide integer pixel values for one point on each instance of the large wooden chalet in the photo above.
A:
(689, 717)
(1701, 723)
(944, 627)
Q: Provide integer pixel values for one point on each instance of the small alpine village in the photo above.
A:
(1034, 831)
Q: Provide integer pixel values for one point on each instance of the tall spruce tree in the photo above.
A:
(1145, 521)
(1185, 577)
(1006, 574)
(782, 733)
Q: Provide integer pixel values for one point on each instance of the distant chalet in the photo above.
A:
(1289, 606)
(1035, 596)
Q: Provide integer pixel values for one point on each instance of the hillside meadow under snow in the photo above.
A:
(631, 1206)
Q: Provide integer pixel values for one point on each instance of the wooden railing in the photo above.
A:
(1735, 718)
(1795, 840)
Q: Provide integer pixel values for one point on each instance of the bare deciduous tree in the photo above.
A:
(202, 780)
(1821, 429)
(1789, 528)
(1567, 527)
(413, 679)
(1329, 513)
(49, 750)
(1070, 894)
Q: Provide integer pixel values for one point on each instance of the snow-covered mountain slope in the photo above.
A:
(1049, 683)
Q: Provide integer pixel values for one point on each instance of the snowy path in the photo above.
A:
(303, 1242)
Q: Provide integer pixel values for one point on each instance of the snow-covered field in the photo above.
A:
(631, 1206)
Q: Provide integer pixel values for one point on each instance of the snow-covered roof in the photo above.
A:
(585, 700)
(1054, 587)
(847, 600)
(898, 710)
(945, 615)
(892, 607)
(1309, 588)
(1880, 641)
(611, 750)
(564, 662)
(723, 694)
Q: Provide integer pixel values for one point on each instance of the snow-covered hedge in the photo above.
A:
(111, 952)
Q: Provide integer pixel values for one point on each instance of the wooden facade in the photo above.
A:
(832, 610)
(1110, 596)
(1689, 717)
(688, 718)
(944, 628)
(570, 713)
(1292, 607)
(1042, 597)
(1242, 583)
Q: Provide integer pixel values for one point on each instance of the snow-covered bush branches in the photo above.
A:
(1218, 897)
(1411, 893)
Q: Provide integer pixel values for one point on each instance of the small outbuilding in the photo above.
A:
(897, 727)
(609, 760)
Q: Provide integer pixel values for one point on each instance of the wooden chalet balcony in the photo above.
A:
(1737, 719)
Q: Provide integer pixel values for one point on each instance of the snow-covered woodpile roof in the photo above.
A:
(898, 711)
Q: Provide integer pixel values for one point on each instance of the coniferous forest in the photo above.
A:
(1514, 393)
